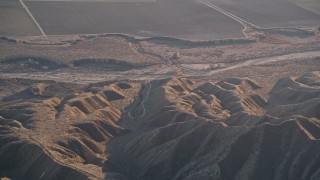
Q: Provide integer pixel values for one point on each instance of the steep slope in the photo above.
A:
(54, 131)
(175, 128)
(226, 130)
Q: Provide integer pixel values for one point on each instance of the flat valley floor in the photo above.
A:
(187, 19)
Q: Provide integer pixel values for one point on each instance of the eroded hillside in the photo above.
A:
(177, 128)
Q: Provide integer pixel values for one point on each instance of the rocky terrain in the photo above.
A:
(174, 128)
(121, 107)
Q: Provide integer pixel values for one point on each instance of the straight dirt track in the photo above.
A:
(186, 19)
(271, 13)
(183, 19)
(15, 20)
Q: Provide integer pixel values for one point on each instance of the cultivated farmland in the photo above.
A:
(272, 13)
(14, 20)
(183, 19)
(187, 19)
(311, 5)
(86, 98)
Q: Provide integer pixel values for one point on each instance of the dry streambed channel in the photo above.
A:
(84, 73)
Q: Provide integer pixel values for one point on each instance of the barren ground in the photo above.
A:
(113, 106)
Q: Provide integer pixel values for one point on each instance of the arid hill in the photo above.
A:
(175, 128)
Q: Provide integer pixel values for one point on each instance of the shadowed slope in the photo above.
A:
(164, 129)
